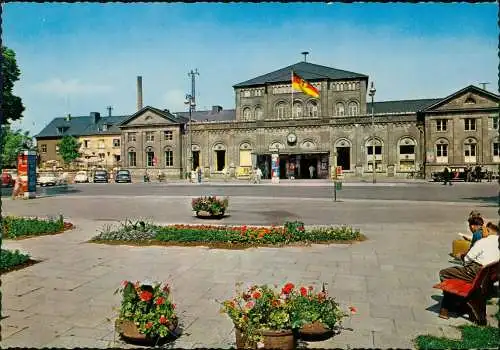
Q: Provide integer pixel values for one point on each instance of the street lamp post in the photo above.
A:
(372, 95)
(189, 102)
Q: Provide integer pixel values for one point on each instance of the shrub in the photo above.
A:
(342, 233)
(9, 259)
(14, 227)
(129, 231)
(210, 205)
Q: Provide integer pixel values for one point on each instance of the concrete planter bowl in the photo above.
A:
(207, 215)
(129, 333)
(282, 339)
(315, 331)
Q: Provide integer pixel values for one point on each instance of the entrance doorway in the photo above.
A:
(221, 159)
(196, 159)
(344, 157)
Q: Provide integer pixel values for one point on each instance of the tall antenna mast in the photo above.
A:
(109, 108)
(193, 75)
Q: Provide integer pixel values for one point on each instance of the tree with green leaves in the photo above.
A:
(11, 143)
(69, 149)
(12, 106)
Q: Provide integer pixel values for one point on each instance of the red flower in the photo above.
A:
(256, 294)
(124, 283)
(321, 296)
(149, 325)
(159, 300)
(353, 310)
(145, 295)
(166, 288)
(287, 289)
(303, 291)
(163, 319)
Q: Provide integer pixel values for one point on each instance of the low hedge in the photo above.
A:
(290, 233)
(19, 227)
(11, 259)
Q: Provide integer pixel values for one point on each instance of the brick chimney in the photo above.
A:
(139, 93)
(216, 109)
(94, 117)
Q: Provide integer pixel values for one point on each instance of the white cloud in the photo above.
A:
(70, 87)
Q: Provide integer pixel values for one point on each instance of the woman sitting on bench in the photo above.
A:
(485, 251)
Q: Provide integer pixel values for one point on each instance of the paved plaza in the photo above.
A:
(67, 299)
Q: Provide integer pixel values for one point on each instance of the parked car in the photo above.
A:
(101, 176)
(48, 179)
(7, 180)
(123, 176)
(81, 177)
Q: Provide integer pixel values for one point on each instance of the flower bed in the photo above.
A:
(14, 227)
(227, 236)
(14, 260)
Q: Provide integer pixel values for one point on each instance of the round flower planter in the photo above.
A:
(283, 339)
(206, 215)
(129, 332)
(315, 331)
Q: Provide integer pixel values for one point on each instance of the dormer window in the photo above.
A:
(61, 129)
(103, 127)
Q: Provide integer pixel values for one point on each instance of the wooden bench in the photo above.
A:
(469, 297)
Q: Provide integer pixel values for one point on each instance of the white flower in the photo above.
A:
(260, 345)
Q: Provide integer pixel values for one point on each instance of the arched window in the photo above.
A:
(247, 113)
(442, 151)
(340, 109)
(312, 109)
(353, 108)
(406, 149)
(280, 110)
(297, 110)
(220, 156)
(470, 150)
(374, 146)
(246, 155)
(258, 113)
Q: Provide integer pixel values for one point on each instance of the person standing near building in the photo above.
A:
(258, 175)
(477, 171)
(447, 176)
(311, 171)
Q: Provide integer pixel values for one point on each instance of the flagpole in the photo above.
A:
(291, 110)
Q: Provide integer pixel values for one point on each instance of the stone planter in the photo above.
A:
(283, 339)
(129, 332)
(206, 215)
(315, 331)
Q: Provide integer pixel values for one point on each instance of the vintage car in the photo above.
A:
(123, 176)
(81, 177)
(48, 179)
(7, 180)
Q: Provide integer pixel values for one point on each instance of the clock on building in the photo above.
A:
(291, 138)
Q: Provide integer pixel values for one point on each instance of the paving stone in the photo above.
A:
(391, 341)
(70, 342)
(400, 313)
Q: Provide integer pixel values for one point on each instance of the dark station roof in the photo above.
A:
(308, 71)
(93, 124)
(401, 106)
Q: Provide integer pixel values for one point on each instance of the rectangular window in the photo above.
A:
(132, 159)
(442, 150)
(470, 124)
(441, 124)
(168, 135)
(57, 149)
(150, 158)
(495, 123)
(470, 150)
(43, 148)
(378, 150)
(101, 144)
(169, 158)
(406, 149)
(116, 142)
(132, 137)
(496, 149)
(150, 137)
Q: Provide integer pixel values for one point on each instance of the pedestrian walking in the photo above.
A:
(447, 176)
(258, 175)
(478, 173)
(311, 171)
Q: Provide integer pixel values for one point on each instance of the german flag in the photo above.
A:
(300, 84)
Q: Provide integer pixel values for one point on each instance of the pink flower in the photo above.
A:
(250, 305)
(353, 310)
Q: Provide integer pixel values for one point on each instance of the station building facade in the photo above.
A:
(336, 129)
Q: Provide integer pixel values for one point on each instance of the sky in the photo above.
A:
(80, 58)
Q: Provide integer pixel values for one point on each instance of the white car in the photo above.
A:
(81, 177)
(48, 179)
